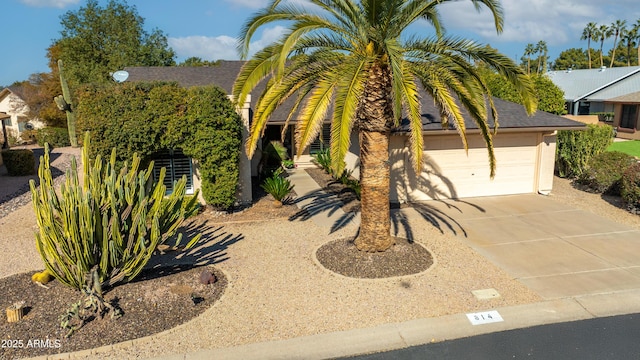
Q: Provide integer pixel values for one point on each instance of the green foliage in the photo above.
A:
(575, 148)
(631, 147)
(604, 172)
(55, 137)
(96, 41)
(323, 158)
(574, 58)
(273, 155)
(112, 222)
(550, 97)
(630, 185)
(19, 162)
(278, 187)
(149, 117)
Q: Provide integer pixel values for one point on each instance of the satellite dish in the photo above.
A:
(120, 76)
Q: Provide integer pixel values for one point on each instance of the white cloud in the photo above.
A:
(220, 47)
(251, 4)
(555, 21)
(50, 3)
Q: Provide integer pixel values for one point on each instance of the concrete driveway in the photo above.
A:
(554, 249)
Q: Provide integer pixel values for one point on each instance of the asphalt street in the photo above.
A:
(616, 338)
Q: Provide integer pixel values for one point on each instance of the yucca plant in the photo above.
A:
(278, 187)
(112, 222)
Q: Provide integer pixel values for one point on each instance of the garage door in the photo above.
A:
(449, 172)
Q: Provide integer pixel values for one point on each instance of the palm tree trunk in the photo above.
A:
(589, 51)
(375, 225)
(375, 118)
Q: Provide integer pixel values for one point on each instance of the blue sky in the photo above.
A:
(208, 28)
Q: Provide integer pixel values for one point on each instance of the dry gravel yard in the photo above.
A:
(277, 289)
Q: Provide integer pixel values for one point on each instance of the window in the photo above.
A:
(177, 164)
(629, 116)
(322, 142)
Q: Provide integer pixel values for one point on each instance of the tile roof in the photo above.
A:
(511, 115)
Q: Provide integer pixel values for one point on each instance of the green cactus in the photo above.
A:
(65, 104)
(113, 221)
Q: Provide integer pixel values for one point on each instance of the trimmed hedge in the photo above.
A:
(630, 185)
(604, 172)
(55, 137)
(19, 162)
(575, 148)
(145, 118)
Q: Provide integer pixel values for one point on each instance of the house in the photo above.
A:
(524, 145)
(16, 114)
(604, 90)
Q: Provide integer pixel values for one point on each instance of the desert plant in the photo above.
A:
(113, 221)
(55, 137)
(576, 147)
(278, 187)
(19, 162)
(323, 158)
(604, 172)
(630, 185)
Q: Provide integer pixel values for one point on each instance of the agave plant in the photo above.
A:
(278, 187)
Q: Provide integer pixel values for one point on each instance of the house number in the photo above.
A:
(485, 317)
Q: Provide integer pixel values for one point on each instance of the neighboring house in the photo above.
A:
(604, 90)
(524, 146)
(17, 119)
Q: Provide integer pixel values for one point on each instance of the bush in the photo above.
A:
(630, 185)
(55, 137)
(145, 118)
(278, 187)
(604, 172)
(575, 148)
(29, 136)
(19, 162)
(108, 227)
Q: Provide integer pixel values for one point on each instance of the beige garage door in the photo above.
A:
(449, 172)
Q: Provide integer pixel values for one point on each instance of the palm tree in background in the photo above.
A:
(629, 39)
(589, 33)
(528, 51)
(604, 32)
(352, 56)
(541, 49)
(618, 29)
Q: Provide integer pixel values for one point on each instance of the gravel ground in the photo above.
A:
(277, 289)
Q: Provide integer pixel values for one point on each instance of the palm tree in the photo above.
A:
(528, 51)
(589, 33)
(630, 37)
(351, 56)
(541, 49)
(618, 28)
(604, 32)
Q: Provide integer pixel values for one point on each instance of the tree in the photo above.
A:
(589, 33)
(629, 40)
(528, 51)
(604, 32)
(352, 57)
(97, 41)
(573, 58)
(196, 61)
(618, 28)
(541, 49)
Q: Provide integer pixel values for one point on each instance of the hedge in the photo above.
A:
(145, 118)
(575, 148)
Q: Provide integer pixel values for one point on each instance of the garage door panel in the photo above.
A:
(451, 173)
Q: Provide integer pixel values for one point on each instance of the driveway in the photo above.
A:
(554, 249)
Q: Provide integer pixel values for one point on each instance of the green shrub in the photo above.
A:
(55, 137)
(630, 185)
(604, 172)
(278, 187)
(148, 117)
(576, 147)
(323, 158)
(111, 224)
(19, 162)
